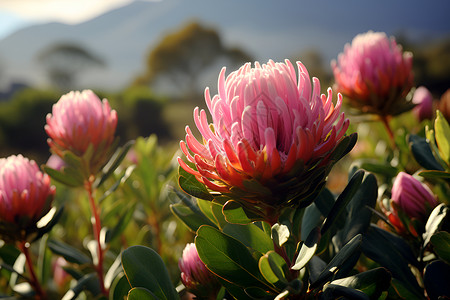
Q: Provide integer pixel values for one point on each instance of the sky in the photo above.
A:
(15, 14)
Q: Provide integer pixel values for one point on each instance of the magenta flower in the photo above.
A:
(272, 138)
(424, 103)
(374, 74)
(25, 196)
(413, 197)
(79, 122)
(194, 274)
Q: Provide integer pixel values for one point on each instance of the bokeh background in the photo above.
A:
(153, 59)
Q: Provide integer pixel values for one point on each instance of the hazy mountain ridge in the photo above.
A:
(266, 29)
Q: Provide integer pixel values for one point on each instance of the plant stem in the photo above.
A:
(96, 226)
(40, 294)
(385, 121)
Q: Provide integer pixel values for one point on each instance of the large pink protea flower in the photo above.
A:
(195, 276)
(375, 74)
(84, 125)
(25, 197)
(272, 139)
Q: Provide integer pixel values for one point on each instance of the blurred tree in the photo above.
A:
(64, 62)
(183, 56)
(22, 121)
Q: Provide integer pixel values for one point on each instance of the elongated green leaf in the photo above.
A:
(273, 268)
(280, 234)
(435, 278)
(373, 282)
(341, 202)
(334, 291)
(88, 282)
(382, 247)
(114, 162)
(145, 268)
(379, 168)
(70, 253)
(441, 245)
(236, 291)
(338, 261)
(251, 236)
(121, 224)
(205, 207)
(442, 130)
(307, 249)
(437, 216)
(423, 154)
(236, 214)
(68, 178)
(119, 288)
(190, 185)
(139, 293)
(228, 258)
(192, 220)
(359, 214)
(435, 174)
(311, 219)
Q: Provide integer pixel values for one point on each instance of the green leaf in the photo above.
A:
(442, 134)
(119, 288)
(251, 236)
(333, 291)
(379, 168)
(359, 214)
(139, 293)
(387, 250)
(273, 268)
(114, 163)
(338, 261)
(280, 234)
(124, 176)
(191, 186)
(441, 245)
(341, 202)
(435, 279)
(205, 207)
(228, 258)
(192, 220)
(236, 214)
(66, 177)
(236, 291)
(88, 282)
(145, 268)
(121, 224)
(373, 282)
(435, 174)
(436, 218)
(307, 249)
(50, 221)
(311, 219)
(423, 154)
(70, 253)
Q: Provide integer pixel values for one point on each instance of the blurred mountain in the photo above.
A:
(265, 29)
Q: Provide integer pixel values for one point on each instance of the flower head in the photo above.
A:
(424, 103)
(272, 138)
(25, 196)
(413, 197)
(194, 274)
(444, 105)
(374, 74)
(80, 122)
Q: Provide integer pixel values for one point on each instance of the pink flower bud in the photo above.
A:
(25, 196)
(55, 162)
(271, 137)
(424, 103)
(413, 197)
(194, 274)
(78, 121)
(374, 74)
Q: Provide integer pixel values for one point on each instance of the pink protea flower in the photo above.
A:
(82, 124)
(410, 205)
(413, 197)
(25, 197)
(272, 138)
(424, 104)
(195, 276)
(374, 74)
